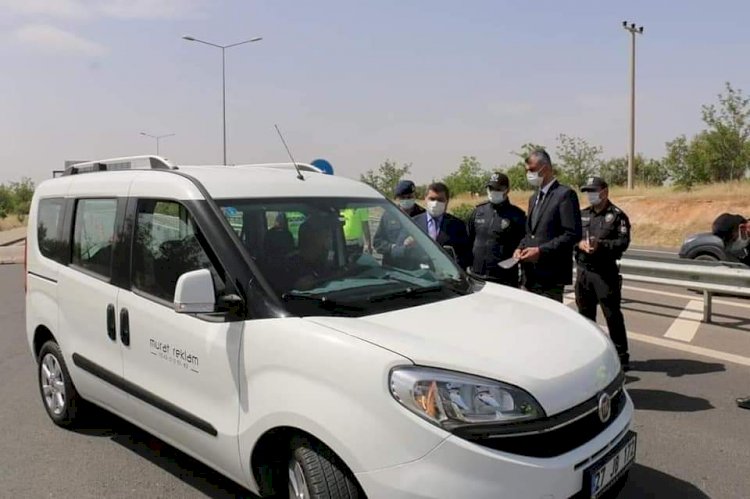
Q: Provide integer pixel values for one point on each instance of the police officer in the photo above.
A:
(389, 239)
(606, 236)
(496, 228)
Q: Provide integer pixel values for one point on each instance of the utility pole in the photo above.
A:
(157, 138)
(223, 81)
(631, 157)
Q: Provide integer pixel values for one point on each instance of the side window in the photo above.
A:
(49, 229)
(93, 234)
(165, 247)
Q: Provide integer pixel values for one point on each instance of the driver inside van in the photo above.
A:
(311, 264)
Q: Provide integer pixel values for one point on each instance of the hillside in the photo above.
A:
(662, 216)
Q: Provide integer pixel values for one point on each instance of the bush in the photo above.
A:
(462, 211)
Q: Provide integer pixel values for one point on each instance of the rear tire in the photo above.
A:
(59, 395)
(315, 472)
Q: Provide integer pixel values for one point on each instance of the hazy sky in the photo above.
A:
(424, 82)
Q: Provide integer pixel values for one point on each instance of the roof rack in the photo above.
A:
(115, 164)
(305, 167)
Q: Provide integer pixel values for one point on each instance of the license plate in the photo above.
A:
(607, 470)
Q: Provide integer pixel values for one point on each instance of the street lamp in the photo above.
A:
(631, 158)
(223, 80)
(157, 138)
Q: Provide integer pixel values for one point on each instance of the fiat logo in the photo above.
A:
(605, 407)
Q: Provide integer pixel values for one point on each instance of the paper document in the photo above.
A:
(508, 263)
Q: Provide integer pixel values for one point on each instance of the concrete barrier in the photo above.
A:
(11, 254)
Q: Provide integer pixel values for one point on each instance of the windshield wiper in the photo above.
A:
(410, 291)
(321, 300)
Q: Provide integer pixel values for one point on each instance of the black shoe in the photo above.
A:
(625, 362)
(743, 403)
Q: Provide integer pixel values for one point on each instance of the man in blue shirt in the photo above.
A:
(447, 230)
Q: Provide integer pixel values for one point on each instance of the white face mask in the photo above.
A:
(594, 198)
(534, 178)
(407, 204)
(435, 208)
(496, 197)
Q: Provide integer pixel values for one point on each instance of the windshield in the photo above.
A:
(339, 256)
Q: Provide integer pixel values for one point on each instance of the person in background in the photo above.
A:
(496, 228)
(733, 231)
(553, 228)
(357, 232)
(606, 236)
(390, 240)
(447, 230)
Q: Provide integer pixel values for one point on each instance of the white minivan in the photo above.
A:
(221, 309)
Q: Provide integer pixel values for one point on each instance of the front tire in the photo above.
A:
(315, 472)
(59, 395)
(705, 257)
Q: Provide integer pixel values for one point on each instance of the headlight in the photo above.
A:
(450, 399)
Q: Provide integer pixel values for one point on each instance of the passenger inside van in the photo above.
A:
(279, 240)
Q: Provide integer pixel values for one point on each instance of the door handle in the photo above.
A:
(124, 327)
(111, 328)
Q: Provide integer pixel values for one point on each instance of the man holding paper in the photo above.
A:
(553, 228)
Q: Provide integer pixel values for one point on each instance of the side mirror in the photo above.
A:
(194, 293)
(451, 251)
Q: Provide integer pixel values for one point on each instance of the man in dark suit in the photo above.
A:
(442, 227)
(553, 228)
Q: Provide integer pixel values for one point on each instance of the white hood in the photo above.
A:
(501, 333)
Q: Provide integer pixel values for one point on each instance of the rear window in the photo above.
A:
(49, 229)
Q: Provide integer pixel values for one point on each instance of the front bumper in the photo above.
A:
(458, 468)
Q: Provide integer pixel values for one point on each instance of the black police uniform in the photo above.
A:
(598, 278)
(495, 231)
(390, 235)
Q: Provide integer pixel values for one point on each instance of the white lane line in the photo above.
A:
(684, 297)
(685, 347)
(687, 323)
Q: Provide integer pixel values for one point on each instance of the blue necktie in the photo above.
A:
(432, 228)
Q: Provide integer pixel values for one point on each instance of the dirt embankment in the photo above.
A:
(11, 222)
(662, 216)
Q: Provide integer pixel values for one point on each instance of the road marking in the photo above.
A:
(684, 297)
(686, 325)
(684, 347)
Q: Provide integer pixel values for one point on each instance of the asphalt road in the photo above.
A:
(693, 441)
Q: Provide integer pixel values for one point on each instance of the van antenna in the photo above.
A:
(299, 173)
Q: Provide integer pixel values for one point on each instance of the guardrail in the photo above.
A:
(708, 278)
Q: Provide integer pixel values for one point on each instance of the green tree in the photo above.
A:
(647, 172)
(387, 176)
(615, 170)
(650, 172)
(470, 177)
(517, 176)
(22, 191)
(577, 158)
(677, 164)
(6, 201)
(727, 138)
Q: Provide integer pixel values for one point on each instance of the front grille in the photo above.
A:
(563, 437)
